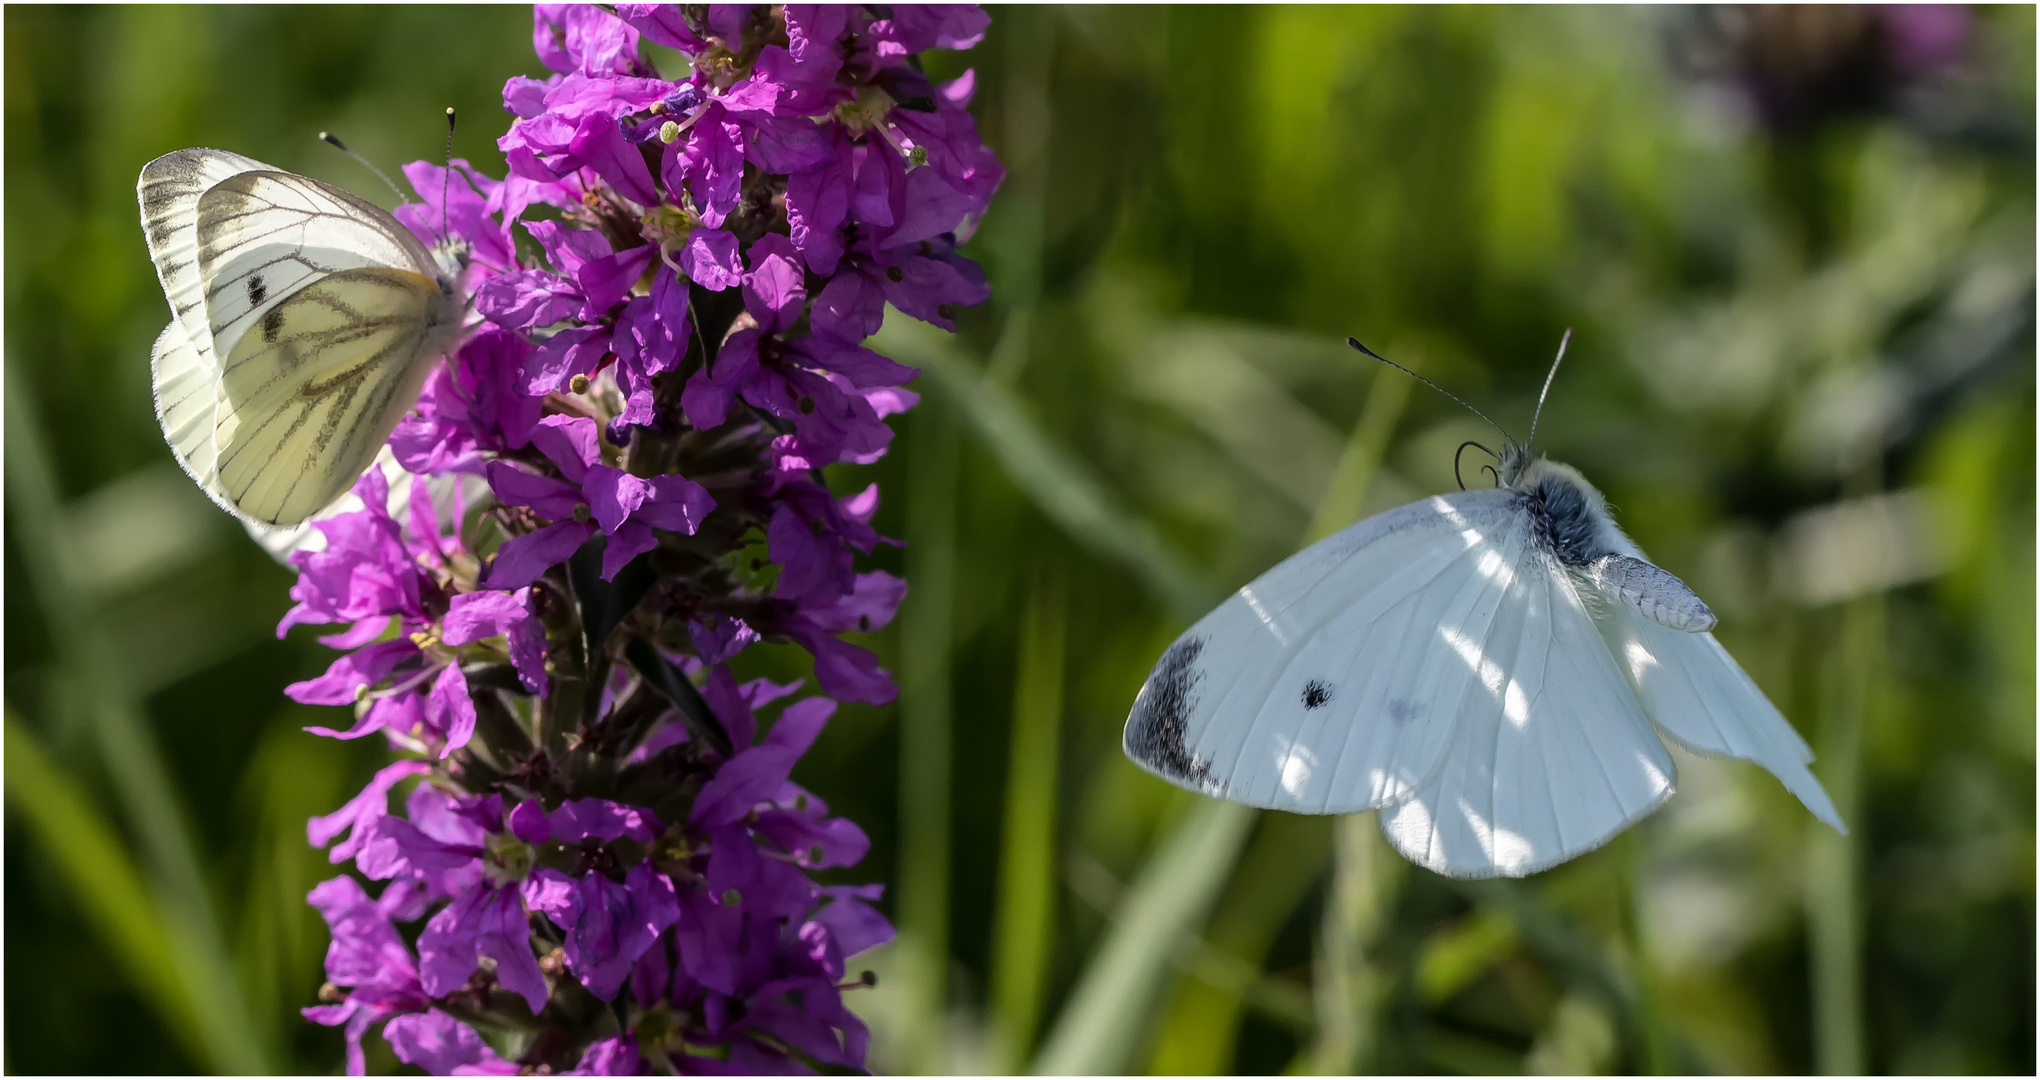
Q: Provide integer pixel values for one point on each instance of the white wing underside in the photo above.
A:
(1436, 662)
(239, 245)
(1699, 695)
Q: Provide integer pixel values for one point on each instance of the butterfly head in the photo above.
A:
(1514, 463)
(452, 254)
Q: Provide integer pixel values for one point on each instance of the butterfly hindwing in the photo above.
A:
(309, 396)
(1699, 695)
(187, 386)
(1330, 683)
(1552, 756)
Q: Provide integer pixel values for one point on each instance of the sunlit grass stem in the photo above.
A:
(926, 623)
(1834, 891)
(1024, 934)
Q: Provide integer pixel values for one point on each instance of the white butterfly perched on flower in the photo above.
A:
(305, 322)
(1485, 668)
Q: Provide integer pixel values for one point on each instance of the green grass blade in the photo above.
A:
(1106, 1019)
(1834, 900)
(103, 881)
(1023, 937)
(1354, 475)
(128, 748)
(927, 622)
(1053, 478)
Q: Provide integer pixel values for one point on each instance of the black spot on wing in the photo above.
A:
(256, 292)
(1316, 694)
(1558, 511)
(1156, 730)
(1403, 710)
(272, 323)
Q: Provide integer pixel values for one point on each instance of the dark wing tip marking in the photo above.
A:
(1155, 732)
(1317, 693)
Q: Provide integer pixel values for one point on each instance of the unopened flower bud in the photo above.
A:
(918, 155)
(331, 994)
(731, 897)
(578, 384)
(582, 513)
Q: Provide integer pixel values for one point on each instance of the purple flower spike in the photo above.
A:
(665, 359)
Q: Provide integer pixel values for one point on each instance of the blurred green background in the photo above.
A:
(1797, 250)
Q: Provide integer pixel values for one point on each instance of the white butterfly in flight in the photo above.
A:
(305, 322)
(1489, 669)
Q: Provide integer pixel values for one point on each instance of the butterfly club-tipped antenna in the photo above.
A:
(1546, 392)
(1435, 386)
(445, 183)
(333, 141)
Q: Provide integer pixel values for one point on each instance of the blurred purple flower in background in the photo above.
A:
(610, 491)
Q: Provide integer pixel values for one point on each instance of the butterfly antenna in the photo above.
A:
(333, 140)
(446, 181)
(1562, 343)
(1355, 342)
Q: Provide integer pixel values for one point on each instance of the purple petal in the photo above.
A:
(527, 653)
(473, 616)
(361, 811)
(528, 822)
(742, 783)
(817, 203)
(613, 495)
(710, 259)
(451, 709)
(554, 363)
(676, 504)
(520, 561)
(549, 496)
(630, 540)
(506, 938)
(603, 147)
(570, 441)
(775, 289)
(554, 895)
(437, 1043)
(346, 678)
(799, 724)
(608, 280)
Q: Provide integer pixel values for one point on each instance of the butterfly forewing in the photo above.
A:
(1552, 756)
(169, 190)
(1326, 685)
(264, 235)
(308, 397)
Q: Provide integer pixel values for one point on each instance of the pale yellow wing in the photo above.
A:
(263, 235)
(315, 386)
